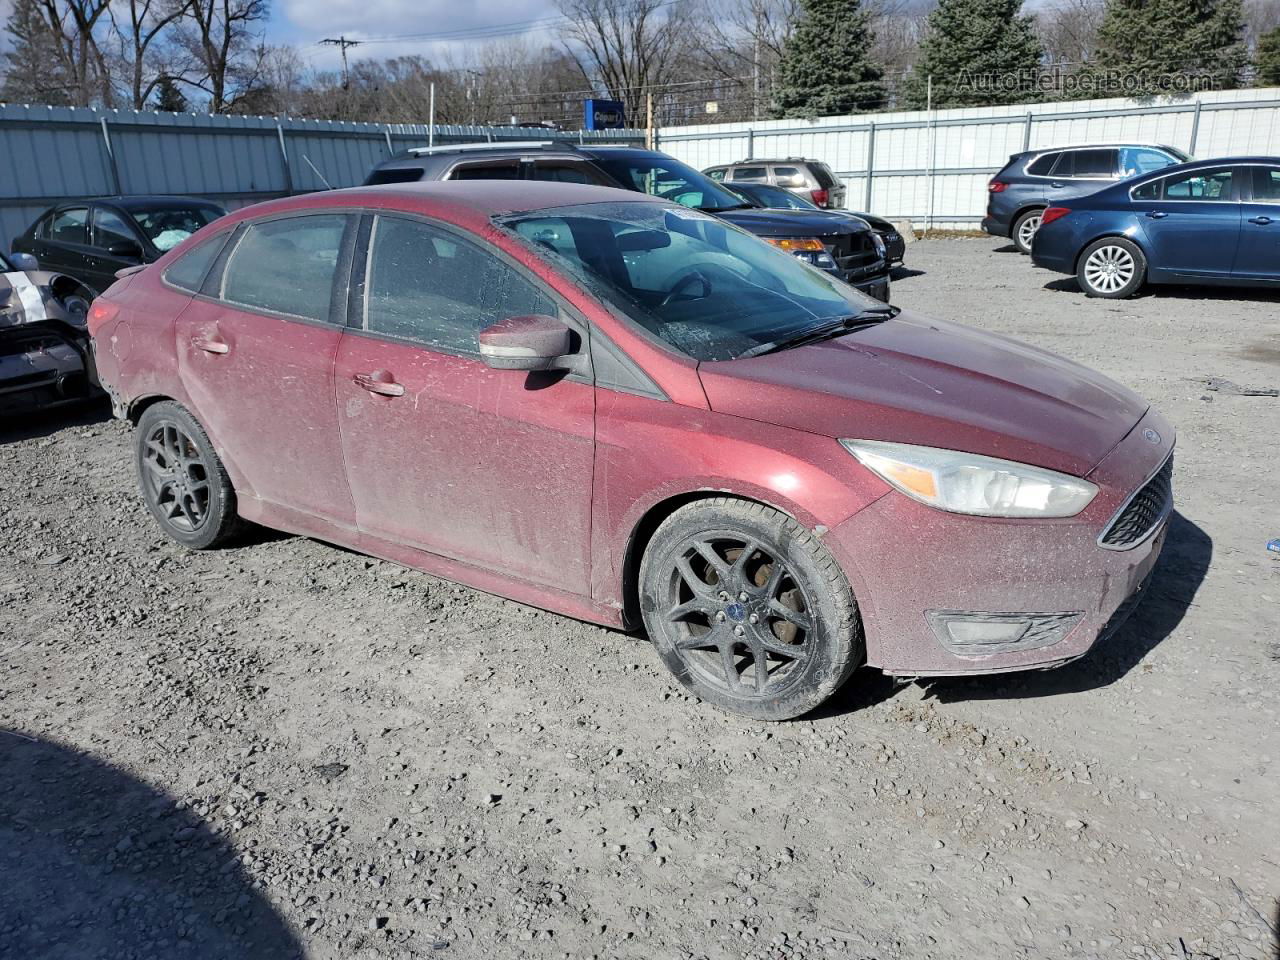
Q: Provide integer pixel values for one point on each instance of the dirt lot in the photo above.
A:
(288, 749)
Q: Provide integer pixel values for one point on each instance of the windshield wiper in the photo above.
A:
(827, 330)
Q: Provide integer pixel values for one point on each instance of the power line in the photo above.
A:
(342, 43)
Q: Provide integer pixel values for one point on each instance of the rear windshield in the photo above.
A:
(822, 173)
(394, 175)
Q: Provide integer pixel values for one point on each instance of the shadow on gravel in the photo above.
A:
(1166, 292)
(1178, 575)
(1007, 248)
(43, 423)
(94, 863)
(905, 273)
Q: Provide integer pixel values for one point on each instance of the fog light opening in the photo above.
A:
(977, 634)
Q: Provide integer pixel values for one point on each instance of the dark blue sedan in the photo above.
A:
(1206, 222)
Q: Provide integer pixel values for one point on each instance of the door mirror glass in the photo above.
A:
(525, 343)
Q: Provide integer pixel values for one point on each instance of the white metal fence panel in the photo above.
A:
(933, 167)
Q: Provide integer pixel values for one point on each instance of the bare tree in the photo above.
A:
(140, 29)
(625, 45)
(66, 31)
(219, 35)
(1069, 31)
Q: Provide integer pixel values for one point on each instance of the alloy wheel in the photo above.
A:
(176, 476)
(1027, 231)
(741, 617)
(1109, 268)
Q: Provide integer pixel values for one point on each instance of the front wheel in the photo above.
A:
(748, 609)
(1112, 267)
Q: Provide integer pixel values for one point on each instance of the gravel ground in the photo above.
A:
(288, 749)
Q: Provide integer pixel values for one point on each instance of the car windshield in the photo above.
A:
(771, 197)
(707, 288)
(166, 227)
(668, 178)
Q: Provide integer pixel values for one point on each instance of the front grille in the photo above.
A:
(1144, 511)
(855, 254)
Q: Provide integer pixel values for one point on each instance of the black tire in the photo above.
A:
(183, 482)
(1024, 229)
(701, 636)
(1112, 268)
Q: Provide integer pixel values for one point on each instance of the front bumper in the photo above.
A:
(913, 567)
(877, 287)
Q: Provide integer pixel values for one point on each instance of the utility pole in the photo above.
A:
(342, 43)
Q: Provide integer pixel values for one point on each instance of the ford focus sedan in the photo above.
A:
(637, 414)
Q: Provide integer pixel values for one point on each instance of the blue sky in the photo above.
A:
(304, 22)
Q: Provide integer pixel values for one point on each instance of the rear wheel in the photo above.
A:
(748, 609)
(1024, 229)
(1112, 267)
(183, 482)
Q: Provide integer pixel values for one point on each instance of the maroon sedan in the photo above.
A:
(634, 413)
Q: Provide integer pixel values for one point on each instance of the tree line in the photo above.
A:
(681, 61)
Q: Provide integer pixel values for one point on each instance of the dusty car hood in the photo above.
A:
(938, 384)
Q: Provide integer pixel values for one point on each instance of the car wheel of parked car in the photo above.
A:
(748, 609)
(1024, 229)
(185, 486)
(1111, 267)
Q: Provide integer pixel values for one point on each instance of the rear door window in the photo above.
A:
(565, 172)
(750, 173)
(1266, 184)
(1095, 164)
(109, 227)
(70, 226)
(1206, 185)
(286, 266)
(1040, 166)
(428, 285)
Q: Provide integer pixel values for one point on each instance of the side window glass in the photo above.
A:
(488, 171)
(1095, 164)
(109, 227)
(750, 173)
(716, 174)
(1066, 164)
(1040, 166)
(788, 177)
(431, 286)
(563, 173)
(1266, 184)
(1200, 185)
(188, 271)
(44, 229)
(286, 266)
(1139, 160)
(1148, 191)
(70, 226)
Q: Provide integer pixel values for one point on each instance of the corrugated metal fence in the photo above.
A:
(50, 153)
(934, 167)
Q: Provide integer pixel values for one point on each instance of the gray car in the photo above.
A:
(1036, 179)
(811, 179)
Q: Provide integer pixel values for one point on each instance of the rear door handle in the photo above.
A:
(1057, 184)
(374, 383)
(1156, 214)
(1261, 221)
(210, 346)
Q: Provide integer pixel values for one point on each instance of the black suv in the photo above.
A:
(847, 248)
(1036, 179)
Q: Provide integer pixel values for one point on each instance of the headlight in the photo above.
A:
(968, 483)
(878, 242)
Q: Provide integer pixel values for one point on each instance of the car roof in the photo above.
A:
(470, 202)
(739, 163)
(1101, 146)
(139, 202)
(417, 157)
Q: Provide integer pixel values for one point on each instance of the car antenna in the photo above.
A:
(327, 184)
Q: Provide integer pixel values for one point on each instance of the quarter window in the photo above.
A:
(431, 286)
(188, 271)
(286, 266)
(750, 173)
(1040, 166)
(70, 226)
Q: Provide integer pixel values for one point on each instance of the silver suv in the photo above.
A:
(811, 179)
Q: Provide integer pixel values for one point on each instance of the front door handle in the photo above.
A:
(1057, 184)
(209, 345)
(1260, 221)
(379, 382)
(1156, 214)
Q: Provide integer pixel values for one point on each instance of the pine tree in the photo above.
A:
(1267, 60)
(31, 67)
(169, 99)
(1148, 47)
(979, 52)
(826, 67)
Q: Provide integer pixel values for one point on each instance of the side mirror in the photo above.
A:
(125, 250)
(525, 343)
(24, 262)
